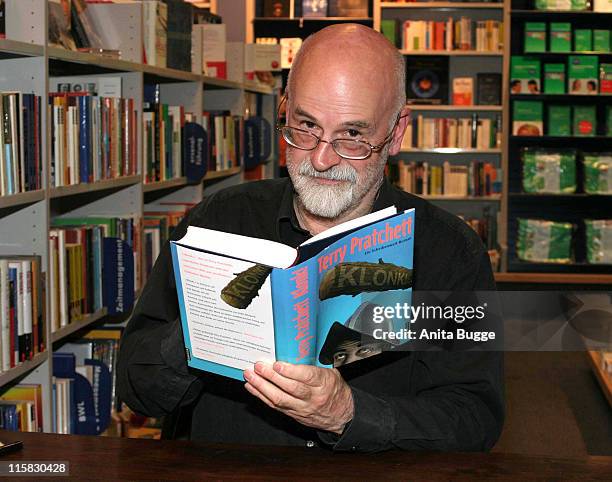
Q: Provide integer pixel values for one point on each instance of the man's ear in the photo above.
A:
(400, 129)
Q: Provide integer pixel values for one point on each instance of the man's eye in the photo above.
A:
(353, 133)
(308, 125)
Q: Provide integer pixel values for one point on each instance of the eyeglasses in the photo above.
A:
(354, 149)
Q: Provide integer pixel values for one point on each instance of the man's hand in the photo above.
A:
(315, 397)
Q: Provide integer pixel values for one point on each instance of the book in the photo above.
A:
(583, 74)
(427, 80)
(601, 40)
(535, 37)
(178, 35)
(527, 118)
(585, 120)
(390, 28)
(244, 299)
(463, 90)
(605, 78)
(314, 8)
(488, 86)
(560, 37)
(524, 75)
(348, 8)
(559, 120)
(554, 78)
(289, 49)
(155, 32)
(276, 8)
(583, 40)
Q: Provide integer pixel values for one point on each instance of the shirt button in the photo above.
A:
(353, 449)
(310, 444)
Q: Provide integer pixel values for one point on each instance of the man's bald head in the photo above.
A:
(355, 53)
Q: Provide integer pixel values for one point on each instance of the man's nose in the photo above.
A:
(324, 157)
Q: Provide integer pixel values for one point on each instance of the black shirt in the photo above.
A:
(407, 400)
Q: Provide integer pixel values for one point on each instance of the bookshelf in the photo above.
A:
(466, 62)
(560, 207)
(29, 64)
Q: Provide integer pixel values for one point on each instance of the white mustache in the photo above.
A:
(335, 173)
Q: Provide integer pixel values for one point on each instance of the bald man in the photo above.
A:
(345, 114)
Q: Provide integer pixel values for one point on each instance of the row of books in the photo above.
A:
(463, 133)
(162, 126)
(20, 151)
(225, 139)
(89, 269)
(454, 34)
(21, 408)
(22, 310)
(560, 38)
(475, 179)
(582, 75)
(158, 225)
(561, 120)
(93, 138)
(486, 228)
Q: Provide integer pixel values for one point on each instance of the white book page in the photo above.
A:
(256, 250)
(218, 332)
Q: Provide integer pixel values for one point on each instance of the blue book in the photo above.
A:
(84, 106)
(244, 300)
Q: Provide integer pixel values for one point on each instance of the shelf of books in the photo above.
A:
(453, 151)
(102, 154)
(558, 149)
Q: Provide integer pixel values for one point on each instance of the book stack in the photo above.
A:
(454, 34)
(22, 310)
(93, 138)
(225, 139)
(475, 179)
(462, 133)
(162, 127)
(21, 408)
(158, 226)
(20, 151)
(87, 272)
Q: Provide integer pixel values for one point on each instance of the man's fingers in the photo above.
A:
(275, 395)
(288, 385)
(307, 374)
(253, 391)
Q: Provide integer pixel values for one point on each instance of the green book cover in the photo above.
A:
(562, 4)
(535, 37)
(583, 74)
(554, 78)
(527, 118)
(583, 40)
(544, 241)
(597, 173)
(549, 171)
(559, 120)
(560, 37)
(601, 40)
(524, 75)
(585, 120)
(109, 223)
(389, 29)
(599, 240)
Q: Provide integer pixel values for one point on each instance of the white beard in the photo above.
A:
(332, 201)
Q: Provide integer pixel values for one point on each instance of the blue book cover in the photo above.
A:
(118, 279)
(84, 106)
(244, 300)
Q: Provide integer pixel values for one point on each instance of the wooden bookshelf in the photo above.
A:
(232, 171)
(167, 184)
(21, 370)
(455, 108)
(67, 330)
(454, 53)
(103, 185)
(443, 5)
(22, 198)
(604, 379)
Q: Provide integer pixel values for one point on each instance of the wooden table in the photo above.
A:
(110, 459)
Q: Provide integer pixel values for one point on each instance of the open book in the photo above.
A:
(244, 300)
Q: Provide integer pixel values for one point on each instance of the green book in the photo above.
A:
(559, 120)
(583, 74)
(389, 28)
(585, 120)
(549, 171)
(560, 37)
(554, 78)
(562, 4)
(544, 241)
(535, 37)
(601, 40)
(524, 75)
(583, 40)
(527, 118)
(597, 172)
(599, 240)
